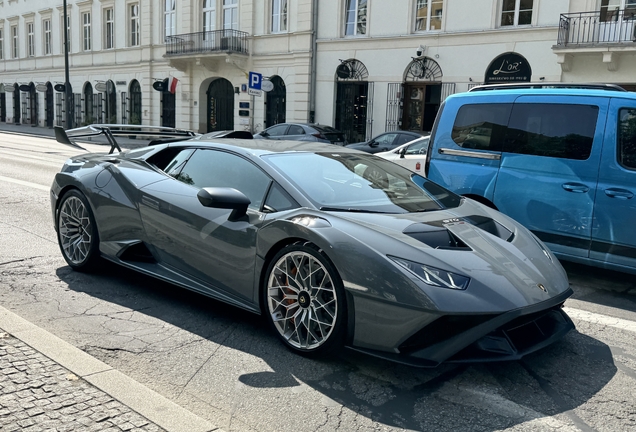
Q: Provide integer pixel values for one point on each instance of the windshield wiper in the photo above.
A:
(352, 210)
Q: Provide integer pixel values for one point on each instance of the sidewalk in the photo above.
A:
(47, 384)
(46, 132)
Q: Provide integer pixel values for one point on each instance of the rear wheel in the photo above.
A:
(76, 232)
(304, 300)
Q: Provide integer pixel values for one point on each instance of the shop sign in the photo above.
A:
(100, 86)
(9, 88)
(25, 88)
(508, 68)
(159, 86)
(41, 87)
(59, 88)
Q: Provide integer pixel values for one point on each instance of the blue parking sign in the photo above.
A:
(255, 80)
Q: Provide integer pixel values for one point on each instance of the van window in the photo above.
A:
(481, 126)
(554, 130)
(627, 138)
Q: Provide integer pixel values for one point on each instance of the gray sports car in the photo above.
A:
(333, 246)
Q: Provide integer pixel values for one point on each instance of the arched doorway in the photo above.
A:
(71, 107)
(276, 110)
(353, 101)
(48, 103)
(111, 102)
(16, 103)
(422, 94)
(220, 109)
(135, 103)
(168, 108)
(33, 105)
(89, 117)
(3, 104)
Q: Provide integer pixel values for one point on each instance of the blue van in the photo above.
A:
(562, 161)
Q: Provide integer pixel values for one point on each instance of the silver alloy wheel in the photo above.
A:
(302, 300)
(75, 230)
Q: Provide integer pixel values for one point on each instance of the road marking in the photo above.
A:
(25, 183)
(599, 319)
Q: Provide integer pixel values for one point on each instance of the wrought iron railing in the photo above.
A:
(600, 27)
(209, 41)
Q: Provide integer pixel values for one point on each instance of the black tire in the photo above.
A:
(77, 233)
(314, 323)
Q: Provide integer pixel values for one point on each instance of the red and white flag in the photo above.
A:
(172, 85)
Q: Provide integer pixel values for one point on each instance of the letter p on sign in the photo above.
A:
(255, 80)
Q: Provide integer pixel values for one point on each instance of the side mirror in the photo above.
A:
(225, 198)
(403, 152)
(264, 134)
(373, 143)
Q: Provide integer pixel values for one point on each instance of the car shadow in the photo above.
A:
(492, 396)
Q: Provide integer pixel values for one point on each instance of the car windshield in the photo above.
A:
(360, 183)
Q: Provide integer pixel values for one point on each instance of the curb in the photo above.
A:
(146, 402)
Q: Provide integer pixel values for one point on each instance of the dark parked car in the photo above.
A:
(386, 141)
(333, 246)
(303, 132)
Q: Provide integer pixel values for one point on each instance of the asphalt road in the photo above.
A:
(226, 366)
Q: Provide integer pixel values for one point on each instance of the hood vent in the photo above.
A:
(435, 234)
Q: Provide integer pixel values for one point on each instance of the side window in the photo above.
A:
(481, 126)
(403, 139)
(296, 130)
(386, 139)
(278, 200)
(554, 130)
(627, 137)
(419, 147)
(277, 130)
(213, 168)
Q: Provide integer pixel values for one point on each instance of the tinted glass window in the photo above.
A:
(360, 183)
(418, 147)
(323, 128)
(295, 130)
(403, 139)
(277, 130)
(627, 138)
(481, 126)
(278, 200)
(177, 163)
(554, 130)
(212, 168)
(386, 139)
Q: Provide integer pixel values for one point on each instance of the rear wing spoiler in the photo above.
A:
(110, 131)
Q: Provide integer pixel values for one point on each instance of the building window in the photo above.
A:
(68, 33)
(46, 25)
(209, 15)
(109, 28)
(610, 9)
(170, 18)
(30, 40)
(134, 24)
(279, 16)
(356, 17)
(428, 15)
(230, 14)
(14, 42)
(516, 12)
(86, 31)
(1, 44)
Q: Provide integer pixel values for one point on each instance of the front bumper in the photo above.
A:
(484, 338)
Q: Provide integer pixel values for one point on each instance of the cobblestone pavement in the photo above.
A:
(37, 394)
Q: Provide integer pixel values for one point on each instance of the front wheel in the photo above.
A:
(77, 232)
(304, 300)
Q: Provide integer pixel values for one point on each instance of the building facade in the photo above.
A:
(362, 66)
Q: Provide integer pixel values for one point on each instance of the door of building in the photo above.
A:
(351, 110)
(49, 105)
(168, 117)
(276, 110)
(421, 104)
(16, 104)
(220, 109)
(3, 107)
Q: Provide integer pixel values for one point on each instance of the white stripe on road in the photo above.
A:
(603, 320)
(25, 183)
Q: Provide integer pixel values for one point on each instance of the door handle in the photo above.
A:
(575, 187)
(621, 194)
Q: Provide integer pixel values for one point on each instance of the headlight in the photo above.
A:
(434, 276)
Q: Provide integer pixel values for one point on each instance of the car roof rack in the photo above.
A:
(110, 131)
(538, 85)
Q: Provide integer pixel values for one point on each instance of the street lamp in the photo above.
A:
(68, 95)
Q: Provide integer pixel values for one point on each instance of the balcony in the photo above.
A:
(205, 48)
(610, 33)
(597, 28)
(220, 41)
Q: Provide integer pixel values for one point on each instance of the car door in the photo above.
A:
(549, 166)
(276, 132)
(296, 132)
(413, 156)
(613, 239)
(201, 241)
